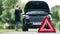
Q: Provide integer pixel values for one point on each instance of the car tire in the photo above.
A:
(47, 27)
(25, 27)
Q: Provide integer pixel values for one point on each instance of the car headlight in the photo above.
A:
(26, 16)
(49, 16)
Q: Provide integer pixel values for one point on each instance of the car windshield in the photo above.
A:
(36, 12)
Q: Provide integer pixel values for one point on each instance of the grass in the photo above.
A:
(9, 30)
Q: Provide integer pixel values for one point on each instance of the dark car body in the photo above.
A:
(34, 14)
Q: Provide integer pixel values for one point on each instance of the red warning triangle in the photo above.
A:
(46, 21)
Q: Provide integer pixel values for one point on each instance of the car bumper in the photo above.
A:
(34, 25)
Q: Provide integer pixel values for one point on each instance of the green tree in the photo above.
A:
(55, 12)
(1, 8)
(8, 5)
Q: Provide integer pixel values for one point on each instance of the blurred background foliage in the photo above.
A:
(7, 10)
(55, 11)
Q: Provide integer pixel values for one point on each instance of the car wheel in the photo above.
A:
(25, 27)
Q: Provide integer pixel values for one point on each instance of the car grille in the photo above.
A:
(36, 18)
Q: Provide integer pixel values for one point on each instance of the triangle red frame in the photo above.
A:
(41, 28)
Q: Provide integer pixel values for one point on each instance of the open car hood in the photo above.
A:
(36, 5)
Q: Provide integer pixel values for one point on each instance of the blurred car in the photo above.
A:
(34, 14)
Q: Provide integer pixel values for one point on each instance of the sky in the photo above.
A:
(51, 3)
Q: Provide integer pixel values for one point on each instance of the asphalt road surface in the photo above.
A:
(31, 31)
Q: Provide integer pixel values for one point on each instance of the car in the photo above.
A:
(34, 14)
